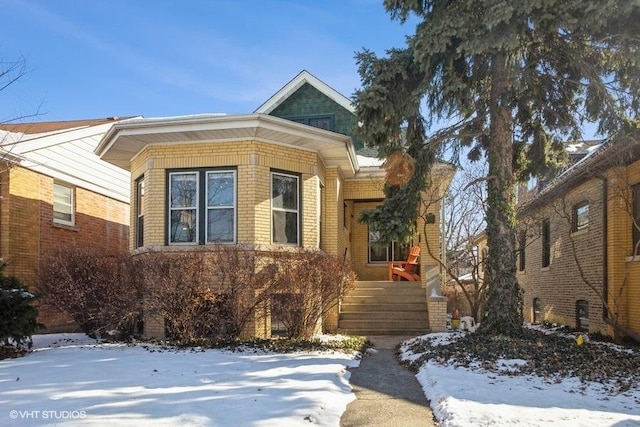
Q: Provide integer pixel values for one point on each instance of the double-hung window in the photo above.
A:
(285, 208)
(63, 206)
(522, 244)
(635, 218)
(580, 218)
(202, 206)
(140, 212)
(546, 243)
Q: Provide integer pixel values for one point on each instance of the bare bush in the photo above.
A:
(100, 291)
(247, 278)
(309, 285)
(178, 290)
(206, 295)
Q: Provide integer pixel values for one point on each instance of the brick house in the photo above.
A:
(576, 240)
(289, 174)
(55, 192)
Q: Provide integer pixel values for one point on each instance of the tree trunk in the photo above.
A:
(504, 299)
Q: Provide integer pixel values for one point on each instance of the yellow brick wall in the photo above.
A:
(560, 285)
(254, 162)
(21, 222)
(4, 210)
(437, 308)
(624, 269)
(360, 195)
(333, 241)
(340, 200)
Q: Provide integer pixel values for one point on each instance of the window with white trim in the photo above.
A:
(140, 212)
(202, 206)
(285, 208)
(63, 204)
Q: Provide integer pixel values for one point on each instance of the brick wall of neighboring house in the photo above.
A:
(623, 268)
(29, 234)
(559, 286)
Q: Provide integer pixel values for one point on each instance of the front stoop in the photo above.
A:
(384, 308)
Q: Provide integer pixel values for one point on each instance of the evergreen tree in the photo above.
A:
(18, 315)
(512, 80)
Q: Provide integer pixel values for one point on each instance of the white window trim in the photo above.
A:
(201, 205)
(71, 204)
(233, 206)
(170, 209)
(297, 211)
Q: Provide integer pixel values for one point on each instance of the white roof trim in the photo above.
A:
(295, 84)
(68, 156)
(127, 138)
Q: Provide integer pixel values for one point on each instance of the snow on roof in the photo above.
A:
(174, 118)
(583, 147)
(364, 161)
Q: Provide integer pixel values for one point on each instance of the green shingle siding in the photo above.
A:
(309, 101)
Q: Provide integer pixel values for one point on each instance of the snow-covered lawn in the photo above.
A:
(70, 380)
(475, 397)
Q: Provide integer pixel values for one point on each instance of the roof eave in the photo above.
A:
(252, 126)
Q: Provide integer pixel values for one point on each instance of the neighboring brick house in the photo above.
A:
(289, 174)
(55, 193)
(576, 238)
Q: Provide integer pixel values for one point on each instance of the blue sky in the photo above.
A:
(92, 59)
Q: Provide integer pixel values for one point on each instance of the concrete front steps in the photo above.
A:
(384, 308)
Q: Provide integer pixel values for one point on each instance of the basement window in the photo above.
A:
(536, 310)
(582, 315)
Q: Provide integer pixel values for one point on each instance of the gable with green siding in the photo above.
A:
(309, 102)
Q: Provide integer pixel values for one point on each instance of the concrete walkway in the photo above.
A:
(387, 394)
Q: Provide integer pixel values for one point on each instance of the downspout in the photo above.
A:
(443, 241)
(605, 249)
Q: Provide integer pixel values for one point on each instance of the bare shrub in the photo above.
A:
(100, 291)
(309, 285)
(178, 290)
(247, 278)
(206, 295)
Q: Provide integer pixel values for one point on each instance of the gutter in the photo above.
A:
(605, 248)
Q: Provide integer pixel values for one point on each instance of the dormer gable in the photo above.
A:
(308, 100)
